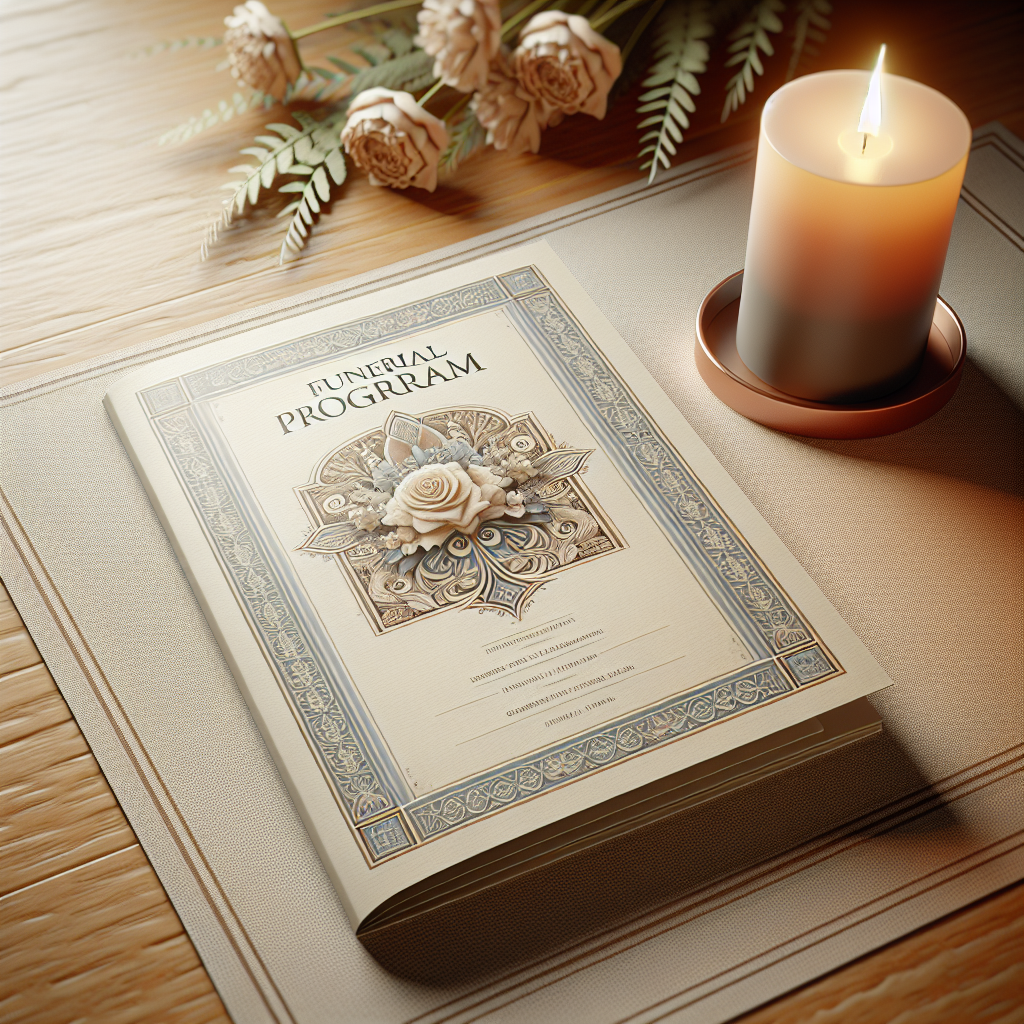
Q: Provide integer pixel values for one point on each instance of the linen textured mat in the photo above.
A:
(915, 538)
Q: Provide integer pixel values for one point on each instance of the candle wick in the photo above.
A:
(864, 146)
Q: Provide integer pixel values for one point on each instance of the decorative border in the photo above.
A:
(664, 479)
(344, 740)
(574, 758)
(260, 366)
(320, 707)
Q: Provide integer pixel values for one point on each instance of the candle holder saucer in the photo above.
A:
(728, 377)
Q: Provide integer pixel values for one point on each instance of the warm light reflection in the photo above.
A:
(871, 115)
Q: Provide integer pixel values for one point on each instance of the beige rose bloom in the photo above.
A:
(512, 117)
(260, 51)
(463, 36)
(434, 501)
(391, 137)
(562, 62)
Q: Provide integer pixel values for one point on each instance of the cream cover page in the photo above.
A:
(471, 568)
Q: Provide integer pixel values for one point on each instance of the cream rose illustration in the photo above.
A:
(562, 62)
(390, 136)
(260, 50)
(433, 502)
(463, 36)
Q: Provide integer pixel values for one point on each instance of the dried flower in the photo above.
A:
(391, 137)
(261, 52)
(463, 36)
(512, 117)
(562, 62)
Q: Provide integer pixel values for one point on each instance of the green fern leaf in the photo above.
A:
(749, 37)
(315, 190)
(171, 45)
(226, 110)
(464, 140)
(680, 54)
(283, 153)
(397, 40)
(809, 28)
(412, 71)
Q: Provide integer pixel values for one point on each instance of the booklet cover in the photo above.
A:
(471, 568)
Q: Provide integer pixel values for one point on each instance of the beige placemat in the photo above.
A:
(916, 539)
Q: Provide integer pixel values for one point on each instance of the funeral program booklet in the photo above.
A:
(470, 566)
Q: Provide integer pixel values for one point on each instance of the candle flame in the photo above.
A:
(871, 115)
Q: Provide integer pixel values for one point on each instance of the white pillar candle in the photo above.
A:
(847, 241)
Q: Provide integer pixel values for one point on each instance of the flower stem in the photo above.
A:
(529, 9)
(456, 107)
(344, 19)
(641, 27)
(603, 7)
(430, 92)
(602, 22)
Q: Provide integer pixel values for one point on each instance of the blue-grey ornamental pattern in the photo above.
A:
(416, 316)
(724, 550)
(575, 758)
(356, 779)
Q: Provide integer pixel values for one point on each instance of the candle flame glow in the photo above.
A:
(871, 115)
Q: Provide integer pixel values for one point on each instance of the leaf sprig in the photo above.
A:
(171, 45)
(749, 37)
(809, 28)
(238, 104)
(276, 154)
(680, 54)
(319, 155)
(411, 71)
(465, 139)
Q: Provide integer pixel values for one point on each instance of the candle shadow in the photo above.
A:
(976, 438)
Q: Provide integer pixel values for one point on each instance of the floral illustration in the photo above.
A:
(462, 507)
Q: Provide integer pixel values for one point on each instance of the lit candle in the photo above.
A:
(855, 190)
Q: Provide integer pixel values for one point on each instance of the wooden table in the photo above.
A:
(101, 236)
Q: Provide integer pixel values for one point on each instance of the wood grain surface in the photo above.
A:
(100, 251)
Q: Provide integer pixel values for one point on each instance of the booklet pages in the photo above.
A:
(472, 570)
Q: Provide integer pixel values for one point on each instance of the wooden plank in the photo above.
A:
(17, 652)
(10, 620)
(100, 943)
(29, 701)
(966, 967)
(86, 929)
(59, 812)
(124, 267)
